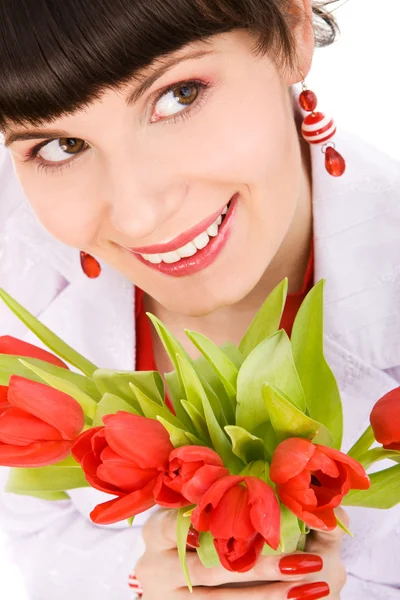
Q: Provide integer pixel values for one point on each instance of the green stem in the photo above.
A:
(363, 444)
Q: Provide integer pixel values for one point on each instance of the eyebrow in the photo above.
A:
(145, 82)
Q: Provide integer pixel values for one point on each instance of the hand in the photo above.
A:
(160, 573)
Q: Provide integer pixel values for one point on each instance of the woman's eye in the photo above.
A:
(177, 99)
(61, 149)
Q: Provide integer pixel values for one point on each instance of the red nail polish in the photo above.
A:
(300, 564)
(310, 591)
(193, 538)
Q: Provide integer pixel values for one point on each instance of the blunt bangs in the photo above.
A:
(57, 56)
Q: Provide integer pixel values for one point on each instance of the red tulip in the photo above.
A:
(38, 424)
(242, 513)
(16, 347)
(312, 480)
(123, 458)
(191, 472)
(385, 420)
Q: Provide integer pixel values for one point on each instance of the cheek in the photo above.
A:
(63, 205)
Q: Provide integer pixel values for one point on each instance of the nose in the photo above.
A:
(141, 200)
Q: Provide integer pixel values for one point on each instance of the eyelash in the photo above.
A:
(184, 114)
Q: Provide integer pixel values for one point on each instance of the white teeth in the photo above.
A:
(153, 258)
(170, 257)
(187, 250)
(201, 240)
(213, 230)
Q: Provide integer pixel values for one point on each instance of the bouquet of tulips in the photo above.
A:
(246, 447)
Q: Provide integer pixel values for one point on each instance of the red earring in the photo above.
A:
(90, 265)
(319, 129)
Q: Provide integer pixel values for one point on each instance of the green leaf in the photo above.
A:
(206, 552)
(288, 421)
(152, 410)
(110, 405)
(271, 362)
(290, 531)
(45, 479)
(219, 361)
(319, 384)
(182, 529)
(198, 421)
(376, 454)
(219, 439)
(363, 443)
(343, 526)
(193, 389)
(259, 469)
(179, 437)
(267, 320)
(245, 445)
(384, 492)
(52, 341)
(173, 348)
(233, 353)
(87, 403)
(130, 521)
(11, 365)
(117, 383)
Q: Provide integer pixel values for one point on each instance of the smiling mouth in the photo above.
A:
(199, 242)
(196, 253)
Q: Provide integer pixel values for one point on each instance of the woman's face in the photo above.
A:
(214, 130)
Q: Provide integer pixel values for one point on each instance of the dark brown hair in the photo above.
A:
(57, 56)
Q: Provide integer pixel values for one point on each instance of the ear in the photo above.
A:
(301, 18)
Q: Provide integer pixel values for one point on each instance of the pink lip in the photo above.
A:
(203, 258)
(181, 240)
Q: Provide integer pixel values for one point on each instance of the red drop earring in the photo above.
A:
(90, 266)
(319, 129)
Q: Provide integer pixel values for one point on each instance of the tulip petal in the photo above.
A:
(167, 497)
(83, 443)
(359, 480)
(321, 462)
(138, 439)
(123, 508)
(385, 418)
(265, 513)
(126, 478)
(201, 482)
(239, 555)
(231, 517)
(13, 346)
(318, 520)
(48, 404)
(290, 459)
(201, 514)
(90, 464)
(20, 428)
(38, 454)
(197, 453)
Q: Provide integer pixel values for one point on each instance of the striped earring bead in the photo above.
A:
(90, 266)
(317, 128)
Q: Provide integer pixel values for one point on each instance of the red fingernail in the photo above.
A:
(300, 564)
(310, 591)
(193, 538)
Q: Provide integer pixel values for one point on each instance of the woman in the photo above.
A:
(131, 127)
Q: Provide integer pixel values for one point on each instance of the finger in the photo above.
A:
(294, 567)
(272, 591)
(323, 540)
(159, 531)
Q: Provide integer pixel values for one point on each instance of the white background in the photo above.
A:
(357, 83)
